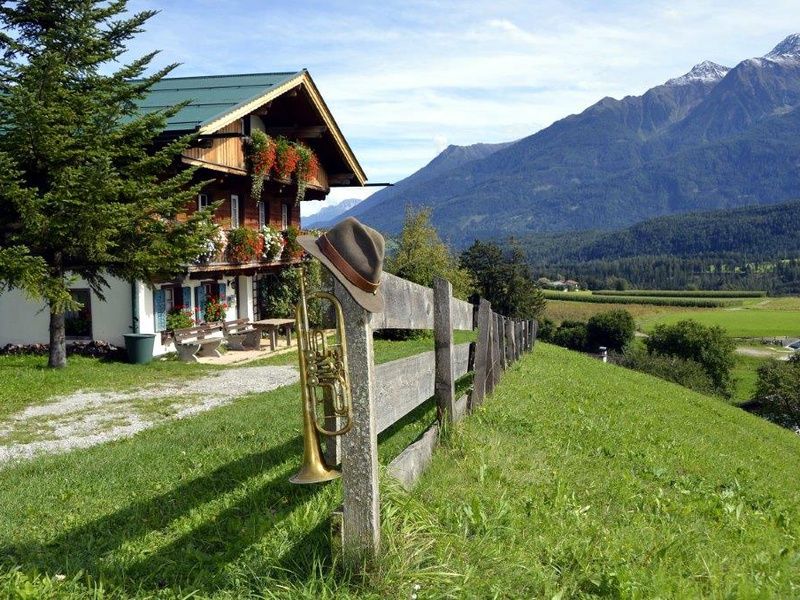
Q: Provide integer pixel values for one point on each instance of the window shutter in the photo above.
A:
(200, 302)
(222, 292)
(234, 211)
(160, 309)
(262, 214)
(187, 297)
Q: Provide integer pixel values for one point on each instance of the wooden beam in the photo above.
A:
(298, 131)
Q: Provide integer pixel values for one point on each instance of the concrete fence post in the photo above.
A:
(361, 515)
(444, 385)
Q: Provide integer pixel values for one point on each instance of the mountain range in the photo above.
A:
(714, 138)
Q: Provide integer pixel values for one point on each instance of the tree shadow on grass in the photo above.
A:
(196, 557)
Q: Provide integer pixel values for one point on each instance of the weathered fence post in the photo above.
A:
(527, 335)
(501, 329)
(509, 326)
(444, 385)
(482, 353)
(493, 359)
(361, 516)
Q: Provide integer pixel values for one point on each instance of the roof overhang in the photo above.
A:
(304, 80)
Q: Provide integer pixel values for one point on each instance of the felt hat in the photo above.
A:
(353, 252)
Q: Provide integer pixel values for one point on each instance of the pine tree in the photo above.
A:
(84, 189)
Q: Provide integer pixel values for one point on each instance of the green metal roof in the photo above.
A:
(210, 97)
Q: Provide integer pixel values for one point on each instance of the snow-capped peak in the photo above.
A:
(705, 72)
(788, 49)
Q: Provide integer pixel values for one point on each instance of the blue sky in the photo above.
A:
(406, 78)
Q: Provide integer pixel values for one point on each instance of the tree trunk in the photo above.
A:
(58, 344)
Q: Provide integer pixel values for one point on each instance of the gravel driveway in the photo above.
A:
(86, 419)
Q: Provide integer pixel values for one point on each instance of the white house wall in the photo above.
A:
(23, 321)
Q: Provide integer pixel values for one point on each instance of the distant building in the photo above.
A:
(568, 285)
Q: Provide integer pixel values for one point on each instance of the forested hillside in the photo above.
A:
(749, 248)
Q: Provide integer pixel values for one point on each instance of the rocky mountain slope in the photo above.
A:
(713, 138)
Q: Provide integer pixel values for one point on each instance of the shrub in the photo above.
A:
(279, 292)
(546, 329)
(292, 247)
(215, 311)
(709, 346)
(778, 390)
(244, 245)
(572, 335)
(683, 371)
(179, 318)
(273, 243)
(613, 329)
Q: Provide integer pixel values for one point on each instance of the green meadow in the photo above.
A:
(574, 479)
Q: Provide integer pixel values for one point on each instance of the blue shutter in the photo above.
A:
(222, 293)
(187, 297)
(200, 302)
(160, 309)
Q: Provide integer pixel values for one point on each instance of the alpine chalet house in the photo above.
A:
(275, 126)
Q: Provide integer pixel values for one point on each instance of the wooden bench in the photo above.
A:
(241, 335)
(198, 341)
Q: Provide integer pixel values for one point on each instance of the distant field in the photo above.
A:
(738, 323)
(756, 317)
(560, 310)
(683, 293)
(661, 301)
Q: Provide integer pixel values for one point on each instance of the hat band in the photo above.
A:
(353, 276)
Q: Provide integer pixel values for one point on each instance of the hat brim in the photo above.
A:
(369, 301)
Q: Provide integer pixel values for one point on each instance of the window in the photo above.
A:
(262, 214)
(202, 201)
(169, 299)
(234, 211)
(78, 323)
(284, 216)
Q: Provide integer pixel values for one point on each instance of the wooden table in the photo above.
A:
(272, 327)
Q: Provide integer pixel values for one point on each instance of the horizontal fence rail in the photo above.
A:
(384, 394)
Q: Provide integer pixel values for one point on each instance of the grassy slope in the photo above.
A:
(575, 477)
(580, 477)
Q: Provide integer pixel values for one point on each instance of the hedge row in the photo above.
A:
(684, 293)
(608, 299)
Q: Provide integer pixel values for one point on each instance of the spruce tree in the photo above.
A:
(85, 190)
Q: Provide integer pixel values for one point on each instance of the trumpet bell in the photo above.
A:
(315, 472)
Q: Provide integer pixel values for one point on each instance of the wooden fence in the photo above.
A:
(385, 393)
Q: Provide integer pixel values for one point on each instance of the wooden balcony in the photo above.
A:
(220, 262)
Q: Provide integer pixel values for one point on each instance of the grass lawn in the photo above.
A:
(26, 380)
(745, 374)
(744, 322)
(575, 478)
(560, 310)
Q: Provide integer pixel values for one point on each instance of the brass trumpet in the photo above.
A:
(324, 379)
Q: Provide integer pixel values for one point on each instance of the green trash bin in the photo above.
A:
(139, 347)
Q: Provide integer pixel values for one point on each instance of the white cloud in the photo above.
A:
(405, 78)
